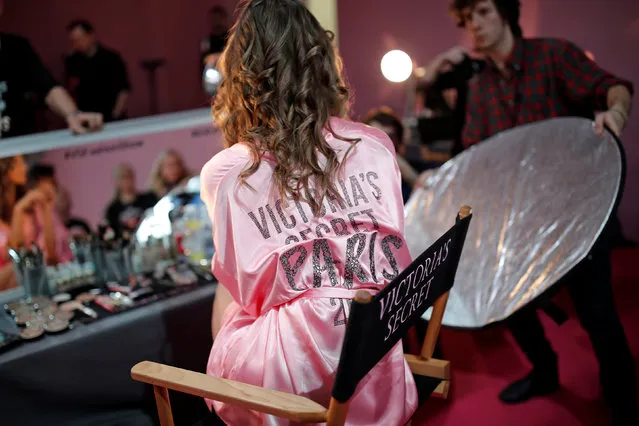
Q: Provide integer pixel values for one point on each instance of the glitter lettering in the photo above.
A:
(322, 252)
(292, 270)
(272, 215)
(262, 226)
(398, 244)
(358, 193)
(377, 192)
(287, 224)
(353, 266)
(342, 223)
(369, 212)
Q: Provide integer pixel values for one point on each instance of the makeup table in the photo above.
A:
(82, 376)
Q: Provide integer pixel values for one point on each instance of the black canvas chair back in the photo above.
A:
(376, 324)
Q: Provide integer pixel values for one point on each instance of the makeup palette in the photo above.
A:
(38, 316)
(31, 333)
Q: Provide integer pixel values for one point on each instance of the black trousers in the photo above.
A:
(590, 288)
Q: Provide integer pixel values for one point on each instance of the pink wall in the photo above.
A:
(370, 28)
(95, 164)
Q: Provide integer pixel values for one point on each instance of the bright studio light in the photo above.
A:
(212, 76)
(397, 66)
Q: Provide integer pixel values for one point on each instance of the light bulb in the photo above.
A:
(397, 66)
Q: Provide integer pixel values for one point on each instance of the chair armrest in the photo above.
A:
(436, 368)
(441, 391)
(267, 401)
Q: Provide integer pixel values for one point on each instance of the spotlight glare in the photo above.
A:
(396, 66)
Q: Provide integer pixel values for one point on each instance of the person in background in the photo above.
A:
(75, 226)
(96, 75)
(387, 121)
(41, 177)
(127, 208)
(168, 172)
(212, 45)
(28, 217)
(22, 73)
(574, 86)
(13, 181)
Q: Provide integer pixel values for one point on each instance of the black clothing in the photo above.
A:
(213, 44)
(119, 214)
(73, 224)
(590, 288)
(449, 122)
(458, 80)
(97, 80)
(24, 81)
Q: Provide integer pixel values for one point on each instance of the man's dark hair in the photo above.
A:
(37, 172)
(509, 11)
(387, 117)
(80, 23)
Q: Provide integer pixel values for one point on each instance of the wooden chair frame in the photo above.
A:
(282, 404)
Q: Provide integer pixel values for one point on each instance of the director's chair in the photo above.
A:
(366, 342)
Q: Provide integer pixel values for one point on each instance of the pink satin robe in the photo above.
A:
(291, 275)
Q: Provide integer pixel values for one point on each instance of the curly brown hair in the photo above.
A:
(281, 85)
(10, 193)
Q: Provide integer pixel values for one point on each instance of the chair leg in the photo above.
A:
(337, 412)
(164, 405)
(434, 325)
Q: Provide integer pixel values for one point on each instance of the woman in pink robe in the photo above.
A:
(306, 210)
(28, 219)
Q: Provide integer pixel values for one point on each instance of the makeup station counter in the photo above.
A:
(78, 373)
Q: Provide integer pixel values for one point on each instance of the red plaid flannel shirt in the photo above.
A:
(549, 78)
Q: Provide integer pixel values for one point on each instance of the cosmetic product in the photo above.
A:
(85, 297)
(62, 297)
(31, 333)
(65, 315)
(56, 325)
(74, 305)
(23, 318)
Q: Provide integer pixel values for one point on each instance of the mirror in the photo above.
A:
(104, 180)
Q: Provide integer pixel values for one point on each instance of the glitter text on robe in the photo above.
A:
(354, 197)
(354, 231)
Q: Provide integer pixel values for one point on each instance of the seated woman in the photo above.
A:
(306, 209)
(168, 172)
(126, 210)
(28, 218)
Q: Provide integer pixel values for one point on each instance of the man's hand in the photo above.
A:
(442, 63)
(83, 122)
(452, 57)
(614, 118)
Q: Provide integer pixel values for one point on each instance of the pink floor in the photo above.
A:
(484, 362)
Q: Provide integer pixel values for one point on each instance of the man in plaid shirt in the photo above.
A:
(528, 80)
